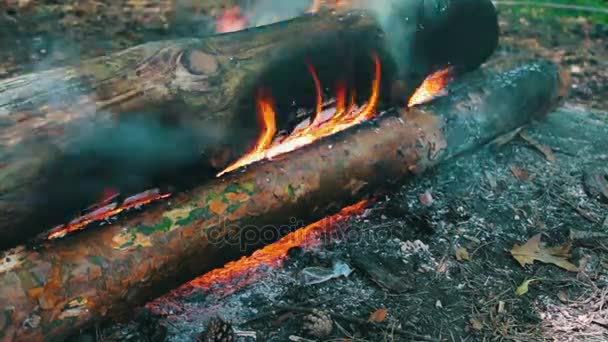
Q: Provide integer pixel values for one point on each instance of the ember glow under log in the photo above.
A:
(148, 116)
(65, 284)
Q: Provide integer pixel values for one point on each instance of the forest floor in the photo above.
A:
(433, 260)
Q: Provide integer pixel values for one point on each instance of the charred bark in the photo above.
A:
(150, 115)
(63, 285)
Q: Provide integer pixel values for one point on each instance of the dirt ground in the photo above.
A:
(432, 261)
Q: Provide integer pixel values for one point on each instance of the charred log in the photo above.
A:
(149, 115)
(63, 285)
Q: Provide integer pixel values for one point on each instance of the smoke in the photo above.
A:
(132, 155)
(399, 19)
(264, 12)
(402, 23)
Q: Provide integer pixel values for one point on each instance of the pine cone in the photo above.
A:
(318, 323)
(218, 331)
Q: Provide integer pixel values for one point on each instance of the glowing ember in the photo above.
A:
(231, 20)
(317, 129)
(105, 211)
(238, 273)
(432, 87)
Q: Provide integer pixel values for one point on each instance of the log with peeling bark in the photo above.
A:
(150, 115)
(63, 285)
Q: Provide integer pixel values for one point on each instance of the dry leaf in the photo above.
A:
(531, 251)
(462, 254)
(596, 184)
(544, 149)
(476, 324)
(378, 316)
(443, 265)
(524, 287)
(520, 173)
(560, 251)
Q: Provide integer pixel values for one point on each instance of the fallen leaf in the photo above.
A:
(520, 173)
(476, 324)
(596, 184)
(560, 251)
(531, 251)
(562, 296)
(378, 316)
(462, 254)
(524, 287)
(544, 149)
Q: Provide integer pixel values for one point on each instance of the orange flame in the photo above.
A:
(319, 107)
(333, 4)
(236, 274)
(340, 98)
(318, 128)
(231, 20)
(106, 211)
(431, 87)
(267, 118)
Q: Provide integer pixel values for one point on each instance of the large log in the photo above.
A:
(152, 114)
(66, 284)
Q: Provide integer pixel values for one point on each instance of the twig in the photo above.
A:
(357, 320)
(551, 5)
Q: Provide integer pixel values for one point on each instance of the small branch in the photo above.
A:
(357, 320)
(551, 5)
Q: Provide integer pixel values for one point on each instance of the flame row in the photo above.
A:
(104, 211)
(319, 126)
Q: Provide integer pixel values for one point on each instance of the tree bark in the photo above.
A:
(63, 285)
(158, 114)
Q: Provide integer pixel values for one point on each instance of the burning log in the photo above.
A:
(65, 284)
(67, 134)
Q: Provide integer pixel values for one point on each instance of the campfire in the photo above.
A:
(322, 171)
(323, 123)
